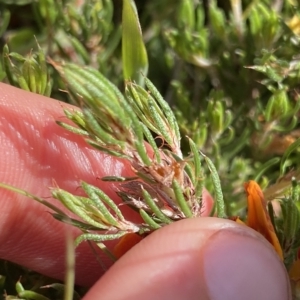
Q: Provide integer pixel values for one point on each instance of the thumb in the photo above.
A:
(203, 258)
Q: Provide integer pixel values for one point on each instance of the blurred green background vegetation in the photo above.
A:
(229, 69)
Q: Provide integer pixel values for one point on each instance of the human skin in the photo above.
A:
(201, 258)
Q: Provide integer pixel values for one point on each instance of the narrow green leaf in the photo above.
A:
(98, 238)
(134, 55)
(156, 210)
(220, 205)
(26, 194)
(186, 14)
(95, 128)
(118, 178)
(196, 159)
(181, 201)
(71, 202)
(99, 204)
(189, 169)
(19, 287)
(159, 122)
(165, 108)
(265, 167)
(80, 49)
(5, 14)
(286, 154)
(148, 220)
(106, 200)
(138, 130)
(72, 128)
(81, 225)
(32, 78)
(31, 295)
(140, 113)
(152, 143)
(6, 64)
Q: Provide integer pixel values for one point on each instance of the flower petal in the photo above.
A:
(126, 243)
(258, 216)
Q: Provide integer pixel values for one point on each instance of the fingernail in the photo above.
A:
(240, 265)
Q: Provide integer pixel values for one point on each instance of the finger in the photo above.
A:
(203, 258)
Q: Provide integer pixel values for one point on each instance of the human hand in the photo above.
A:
(202, 258)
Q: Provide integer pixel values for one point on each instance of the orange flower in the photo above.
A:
(258, 216)
(294, 273)
(126, 243)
